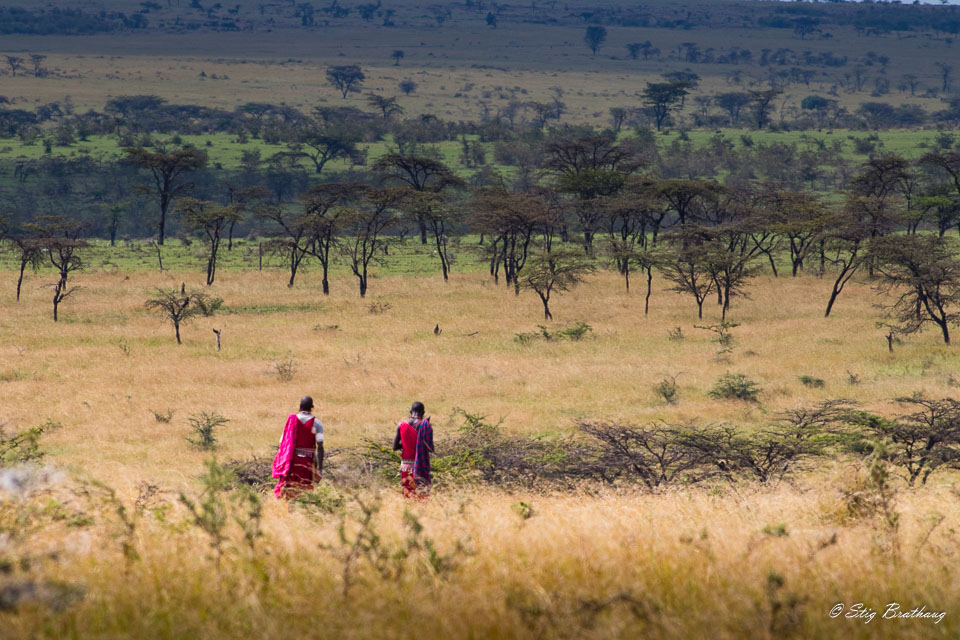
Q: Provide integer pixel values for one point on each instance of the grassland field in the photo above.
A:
(718, 561)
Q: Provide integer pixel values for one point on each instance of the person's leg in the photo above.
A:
(409, 484)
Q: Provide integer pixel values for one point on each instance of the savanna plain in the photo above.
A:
(121, 553)
(624, 469)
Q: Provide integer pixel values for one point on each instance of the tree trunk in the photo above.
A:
(23, 266)
(164, 205)
(422, 223)
(700, 309)
(176, 328)
(546, 306)
(833, 298)
(646, 302)
(441, 251)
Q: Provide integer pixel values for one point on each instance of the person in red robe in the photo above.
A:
(414, 440)
(299, 459)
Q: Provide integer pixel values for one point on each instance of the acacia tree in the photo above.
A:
(686, 199)
(661, 98)
(419, 174)
(688, 268)
(322, 215)
(627, 218)
(591, 167)
(30, 253)
(511, 220)
(559, 270)
(59, 238)
(346, 78)
(291, 238)
(763, 105)
(440, 216)
(388, 107)
(169, 171)
(923, 273)
(179, 305)
(364, 227)
(211, 220)
(844, 241)
(799, 218)
(595, 36)
(321, 143)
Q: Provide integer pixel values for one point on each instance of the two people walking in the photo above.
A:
(299, 460)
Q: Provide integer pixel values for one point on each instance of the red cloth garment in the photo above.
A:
(409, 485)
(410, 436)
(293, 466)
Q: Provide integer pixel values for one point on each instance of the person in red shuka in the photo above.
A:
(299, 459)
(414, 440)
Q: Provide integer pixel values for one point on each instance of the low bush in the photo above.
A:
(735, 386)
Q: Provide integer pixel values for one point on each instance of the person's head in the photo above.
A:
(417, 410)
(306, 403)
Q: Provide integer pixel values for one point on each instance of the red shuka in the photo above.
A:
(294, 467)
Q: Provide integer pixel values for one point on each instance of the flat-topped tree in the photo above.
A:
(212, 221)
(28, 249)
(662, 98)
(169, 171)
(321, 142)
(291, 239)
(179, 305)
(346, 78)
(387, 106)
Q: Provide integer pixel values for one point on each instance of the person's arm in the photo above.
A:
(397, 444)
(319, 458)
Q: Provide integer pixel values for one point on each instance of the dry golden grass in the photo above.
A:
(364, 374)
(684, 564)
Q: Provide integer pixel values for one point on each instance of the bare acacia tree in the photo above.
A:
(323, 208)
(30, 253)
(292, 237)
(210, 220)
(59, 238)
(16, 64)
(179, 305)
(364, 228)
